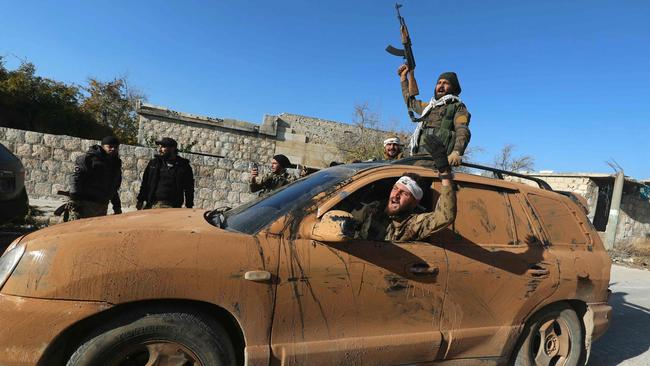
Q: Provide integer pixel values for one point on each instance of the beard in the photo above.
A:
(394, 208)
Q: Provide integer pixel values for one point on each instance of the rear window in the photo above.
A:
(558, 221)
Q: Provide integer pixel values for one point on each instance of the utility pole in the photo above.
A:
(615, 207)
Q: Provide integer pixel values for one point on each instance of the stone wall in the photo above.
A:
(221, 152)
(321, 131)
(49, 162)
(309, 141)
(228, 138)
(634, 216)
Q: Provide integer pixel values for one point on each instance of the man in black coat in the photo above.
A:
(96, 180)
(167, 180)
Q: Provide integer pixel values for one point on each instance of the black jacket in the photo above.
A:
(97, 177)
(183, 182)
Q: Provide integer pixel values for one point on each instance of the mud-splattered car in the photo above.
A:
(520, 276)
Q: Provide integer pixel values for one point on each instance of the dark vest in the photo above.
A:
(445, 131)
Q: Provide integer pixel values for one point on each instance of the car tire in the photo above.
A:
(157, 339)
(553, 336)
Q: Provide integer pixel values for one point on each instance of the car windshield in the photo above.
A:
(253, 216)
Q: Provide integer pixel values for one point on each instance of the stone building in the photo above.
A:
(309, 141)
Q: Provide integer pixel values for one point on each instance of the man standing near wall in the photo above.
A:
(277, 178)
(96, 180)
(167, 179)
(445, 116)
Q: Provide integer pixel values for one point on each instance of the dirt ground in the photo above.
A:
(635, 255)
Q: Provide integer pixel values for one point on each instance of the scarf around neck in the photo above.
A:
(449, 98)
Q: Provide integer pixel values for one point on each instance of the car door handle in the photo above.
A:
(538, 271)
(257, 276)
(423, 269)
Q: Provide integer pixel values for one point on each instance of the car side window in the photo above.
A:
(524, 230)
(371, 199)
(483, 216)
(558, 221)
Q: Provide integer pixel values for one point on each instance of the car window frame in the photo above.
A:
(360, 181)
(561, 200)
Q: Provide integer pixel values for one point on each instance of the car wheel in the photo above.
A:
(553, 337)
(181, 339)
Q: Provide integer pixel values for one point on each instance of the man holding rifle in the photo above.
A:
(445, 116)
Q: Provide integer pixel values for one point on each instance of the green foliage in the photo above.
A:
(30, 102)
(114, 104)
(34, 103)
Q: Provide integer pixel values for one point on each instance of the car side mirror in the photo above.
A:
(334, 226)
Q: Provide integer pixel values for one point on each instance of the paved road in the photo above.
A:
(627, 342)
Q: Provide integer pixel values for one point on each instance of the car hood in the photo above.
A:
(134, 256)
(149, 222)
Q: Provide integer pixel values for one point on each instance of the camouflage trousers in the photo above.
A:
(83, 209)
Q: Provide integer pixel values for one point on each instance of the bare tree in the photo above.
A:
(507, 161)
(365, 142)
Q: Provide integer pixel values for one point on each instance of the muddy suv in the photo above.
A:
(521, 276)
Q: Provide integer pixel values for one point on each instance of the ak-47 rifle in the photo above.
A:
(406, 53)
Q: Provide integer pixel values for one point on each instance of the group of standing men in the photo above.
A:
(168, 180)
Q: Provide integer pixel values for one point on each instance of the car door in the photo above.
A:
(499, 271)
(357, 302)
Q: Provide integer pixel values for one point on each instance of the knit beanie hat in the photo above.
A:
(282, 160)
(452, 78)
(110, 140)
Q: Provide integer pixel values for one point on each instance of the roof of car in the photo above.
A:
(465, 177)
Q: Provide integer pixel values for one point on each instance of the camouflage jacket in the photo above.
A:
(372, 221)
(456, 113)
(270, 182)
(374, 224)
(418, 227)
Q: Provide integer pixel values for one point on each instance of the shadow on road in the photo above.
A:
(628, 335)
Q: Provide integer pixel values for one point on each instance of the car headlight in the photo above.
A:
(9, 261)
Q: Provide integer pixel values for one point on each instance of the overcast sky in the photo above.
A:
(565, 81)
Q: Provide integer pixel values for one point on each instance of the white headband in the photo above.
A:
(392, 140)
(413, 187)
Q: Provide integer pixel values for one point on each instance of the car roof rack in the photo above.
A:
(498, 173)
